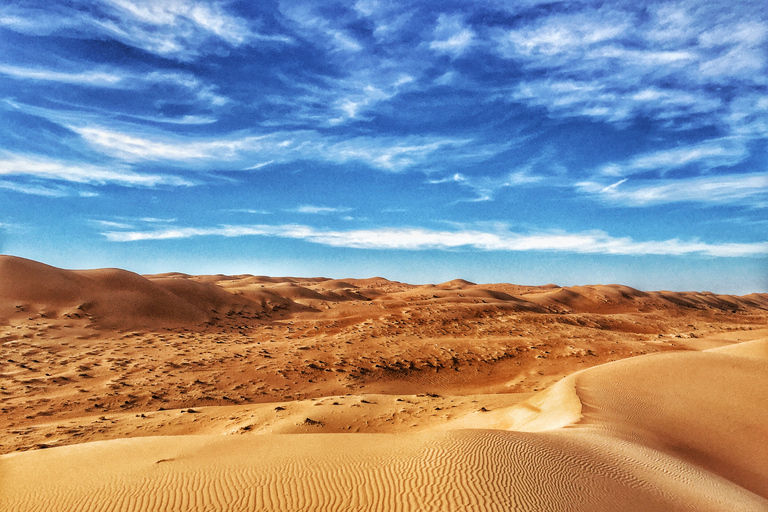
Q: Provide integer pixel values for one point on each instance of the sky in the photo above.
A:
(527, 142)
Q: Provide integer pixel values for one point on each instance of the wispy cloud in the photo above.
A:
(452, 36)
(486, 187)
(131, 223)
(258, 166)
(36, 189)
(324, 29)
(321, 210)
(367, 76)
(612, 64)
(385, 153)
(45, 168)
(732, 188)
(390, 153)
(564, 34)
(180, 29)
(136, 147)
(204, 16)
(93, 78)
(591, 242)
(109, 224)
(600, 100)
(360, 95)
(183, 87)
(703, 156)
(253, 211)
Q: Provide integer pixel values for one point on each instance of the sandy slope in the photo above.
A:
(176, 392)
(652, 437)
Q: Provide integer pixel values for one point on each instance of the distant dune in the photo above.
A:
(178, 392)
(121, 299)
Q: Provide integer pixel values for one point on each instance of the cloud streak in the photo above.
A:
(384, 153)
(178, 29)
(320, 210)
(591, 242)
(50, 169)
(91, 78)
(704, 156)
(733, 188)
(486, 187)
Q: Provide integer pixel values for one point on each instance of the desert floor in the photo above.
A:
(177, 392)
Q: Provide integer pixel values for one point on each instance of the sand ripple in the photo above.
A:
(461, 470)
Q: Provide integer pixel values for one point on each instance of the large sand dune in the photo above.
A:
(177, 392)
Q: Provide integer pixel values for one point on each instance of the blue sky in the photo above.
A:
(527, 142)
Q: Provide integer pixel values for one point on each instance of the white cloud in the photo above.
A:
(389, 153)
(180, 29)
(184, 87)
(322, 28)
(360, 92)
(93, 78)
(141, 147)
(250, 210)
(321, 210)
(41, 167)
(108, 224)
(258, 166)
(35, 189)
(744, 54)
(705, 156)
(713, 155)
(591, 242)
(37, 21)
(613, 102)
(386, 153)
(748, 116)
(486, 187)
(344, 41)
(563, 34)
(366, 74)
(359, 100)
(451, 35)
(156, 220)
(610, 64)
(700, 161)
(706, 189)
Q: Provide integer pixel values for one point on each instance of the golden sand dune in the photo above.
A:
(179, 392)
(640, 445)
(705, 407)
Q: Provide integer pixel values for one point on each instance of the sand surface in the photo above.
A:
(176, 392)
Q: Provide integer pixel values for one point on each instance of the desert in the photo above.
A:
(177, 392)
(383, 255)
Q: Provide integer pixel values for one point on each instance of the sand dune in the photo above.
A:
(180, 392)
(618, 456)
(467, 470)
(109, 297)
(703, 407)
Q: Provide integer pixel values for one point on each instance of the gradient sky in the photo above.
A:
(523, 141)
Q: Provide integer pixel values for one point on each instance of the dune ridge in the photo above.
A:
(178, 392)
(116, 298)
